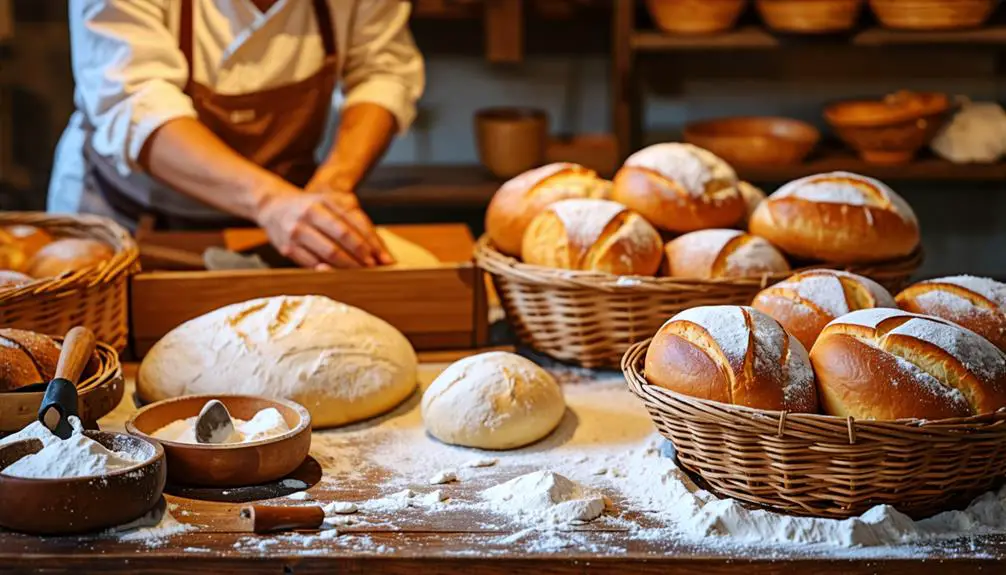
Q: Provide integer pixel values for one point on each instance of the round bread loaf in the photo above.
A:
(715, 254)
(680, 188)
(18, 244)
(25, 358)
(519, 200)
(978, 304)
(887, 363)
(732, 354)
(494, 400)
(594, 235)
(339, 362)
(752, 197)
(837, 217)
(807, 301)
(67, 255)
(9, 278)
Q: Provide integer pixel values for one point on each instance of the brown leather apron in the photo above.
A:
(278, 129)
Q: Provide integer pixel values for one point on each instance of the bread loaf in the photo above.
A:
(339, 362)
(807, 301)
(680, 188)
(837, 217)
(978, 304)
(26, 358)
(594, 235)
(752, 197)
(18, 244)
(732, 354)
(519, 200)
(10, 279)
(715, 254)
(887, 363)
(67, 255)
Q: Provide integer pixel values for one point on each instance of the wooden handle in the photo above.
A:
(269, 519)
(173, 256)
(78, 346)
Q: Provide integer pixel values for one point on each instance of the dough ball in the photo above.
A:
(494, 400)
(339, 362)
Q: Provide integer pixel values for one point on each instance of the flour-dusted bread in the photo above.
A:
(978, 304)
(837, 217)
(494, 400)
(719, 253)
(680, 188)
(26, 357)
(339, 362)
(67, 255)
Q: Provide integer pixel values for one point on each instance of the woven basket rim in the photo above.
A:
(634, 357)
(125, 259)
(493, 261)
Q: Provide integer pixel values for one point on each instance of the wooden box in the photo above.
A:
(437, 307)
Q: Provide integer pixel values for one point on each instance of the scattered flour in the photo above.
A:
(266, 423)
(340, 508)
(546, 497)
(77, 456)
(444, 476)
(480, 462)
(153, 529)
(300, 496)
(293, 484)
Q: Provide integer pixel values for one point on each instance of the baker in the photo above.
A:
(202, 113)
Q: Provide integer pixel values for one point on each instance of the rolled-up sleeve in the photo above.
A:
(129, 72)
(382, 65)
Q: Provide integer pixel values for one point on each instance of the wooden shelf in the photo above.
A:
(927, 168)
(745, 37)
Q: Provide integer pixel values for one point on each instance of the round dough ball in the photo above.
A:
(339, 362)
(494, 400)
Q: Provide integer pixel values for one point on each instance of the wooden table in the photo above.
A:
(431, 544)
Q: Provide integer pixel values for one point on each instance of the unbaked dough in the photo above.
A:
(407, 254)
(494, 400)
(339, 362)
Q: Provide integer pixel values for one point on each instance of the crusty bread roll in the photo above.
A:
(807, 301)
(885, 363)
(837, 217)
(752, 197)
(732, 354)
(67, 255)
(18, 244)
(714, 254)
(680, 188)
(978, 304)
(9, 278)
(25, 358)
(519, 200)
(594, 235)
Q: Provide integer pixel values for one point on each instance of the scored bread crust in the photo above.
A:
(837, 217)
(978, 304)
(26, 358)
(721, 253)
(891, 364)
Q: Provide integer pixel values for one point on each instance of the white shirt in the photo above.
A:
(130, 73)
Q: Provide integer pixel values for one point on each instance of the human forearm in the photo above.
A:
(365, 131)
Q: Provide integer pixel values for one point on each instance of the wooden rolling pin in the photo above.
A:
(270, 519)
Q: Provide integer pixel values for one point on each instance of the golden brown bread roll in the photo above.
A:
(19, 243)
(66, 255)
(594, 235)
(26, 358)
(519, 200)
(679, 188)
(713, 254)
(885, 363)
(753, 196)
(9, 278)
(807, 301)
(837, 217)
(978, 304)
(732, 354)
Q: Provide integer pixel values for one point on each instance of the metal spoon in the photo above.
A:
(214, 424)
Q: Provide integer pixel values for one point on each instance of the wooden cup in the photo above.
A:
(511, 140)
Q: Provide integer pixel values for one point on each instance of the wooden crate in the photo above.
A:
(441, 307)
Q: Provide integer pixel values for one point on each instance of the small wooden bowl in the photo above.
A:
(81, 504)
(511, 141)
(892, 130)
(755, 140)
(695, 16)
(933, 14)
(232, 465)
(810, 16)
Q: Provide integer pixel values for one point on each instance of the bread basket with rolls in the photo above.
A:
(584, 267)
(58, 271)
(888, 407)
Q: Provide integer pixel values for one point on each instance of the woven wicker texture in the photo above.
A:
(592, 318)
(95, 297)
(825, 466)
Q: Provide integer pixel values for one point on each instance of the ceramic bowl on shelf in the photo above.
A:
(695, 16)
(810, 16)
(511, 140)
(932, 14)
(747, 141)
(889, 131)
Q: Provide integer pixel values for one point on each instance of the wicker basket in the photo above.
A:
(98, 394)
(592, 318)
(810, 16)
(695, 16)
(94, 297)
(809, 464)
(932, 14)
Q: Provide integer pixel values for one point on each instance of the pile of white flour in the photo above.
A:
(77, 456)
(266, 423)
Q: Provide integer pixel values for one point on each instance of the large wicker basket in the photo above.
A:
(94, 297)
(592, 318)
(821, 465)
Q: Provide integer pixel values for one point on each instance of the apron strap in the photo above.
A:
(325, 28)
(185, 40)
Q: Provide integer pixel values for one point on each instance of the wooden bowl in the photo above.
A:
(511, 141)
(810, 16)
(892, 130)
(933, 14)
(755, 140)
(695, 16)
(81, 504)
(232, 465)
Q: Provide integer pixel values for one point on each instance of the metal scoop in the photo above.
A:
(214, 424)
